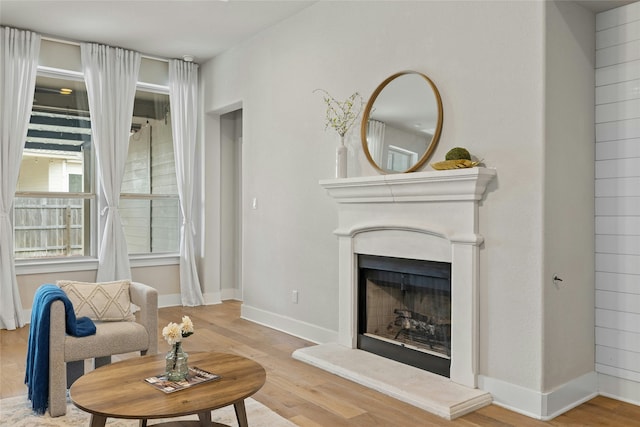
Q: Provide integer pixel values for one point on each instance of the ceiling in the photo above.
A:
(598, 6)
(163, 28)
(167, 28)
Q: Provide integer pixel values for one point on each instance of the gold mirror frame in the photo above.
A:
(367, 113)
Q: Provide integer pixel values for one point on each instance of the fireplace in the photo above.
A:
(432, 218)
(427, 216)
(404, 311)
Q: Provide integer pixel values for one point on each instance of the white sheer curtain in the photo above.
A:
(19, 56)
(111, 75)
(375, 140)
(183, 97)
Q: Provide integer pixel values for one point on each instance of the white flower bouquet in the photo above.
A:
(174, 332)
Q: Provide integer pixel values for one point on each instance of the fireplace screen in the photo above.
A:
(404, 311)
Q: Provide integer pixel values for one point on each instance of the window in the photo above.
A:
(149, 205)
(55, 211)
(54, 196)
(400, 159)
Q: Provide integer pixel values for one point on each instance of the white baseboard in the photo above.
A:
(26, 316)
(172, 300)
(619, 388)
(513, 397)
(231, 294)
(212, 298)
(289, 325)
(542, 406)
(570, 395)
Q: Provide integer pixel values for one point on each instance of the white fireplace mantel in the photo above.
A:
(448, 185)
(423, 215)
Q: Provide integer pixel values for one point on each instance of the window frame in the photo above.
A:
(90, 262)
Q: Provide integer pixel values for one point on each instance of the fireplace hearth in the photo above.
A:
(404, 311)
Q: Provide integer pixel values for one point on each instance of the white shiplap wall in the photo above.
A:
(617, 191)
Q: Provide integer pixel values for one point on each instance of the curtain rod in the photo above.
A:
(77, 43)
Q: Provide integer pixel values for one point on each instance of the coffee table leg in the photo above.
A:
(98, 420)
(241, 414)
(205, 418)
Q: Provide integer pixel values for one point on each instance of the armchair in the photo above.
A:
(111, 338)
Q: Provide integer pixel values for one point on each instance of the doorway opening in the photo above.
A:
(231, 204)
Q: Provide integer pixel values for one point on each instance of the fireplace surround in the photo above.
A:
(430, 216)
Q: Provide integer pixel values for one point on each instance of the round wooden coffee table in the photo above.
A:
(119, 390)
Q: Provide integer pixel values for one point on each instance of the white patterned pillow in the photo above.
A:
(106, 301)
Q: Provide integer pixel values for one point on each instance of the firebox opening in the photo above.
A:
(404, 311)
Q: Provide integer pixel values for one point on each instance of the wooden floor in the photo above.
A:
(308, 396)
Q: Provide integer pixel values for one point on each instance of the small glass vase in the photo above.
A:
(176, 363)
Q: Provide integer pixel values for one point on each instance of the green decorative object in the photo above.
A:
(458, 153)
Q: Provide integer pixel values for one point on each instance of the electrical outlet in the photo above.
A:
(294, 297)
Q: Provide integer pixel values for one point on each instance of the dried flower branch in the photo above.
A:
(341, 116)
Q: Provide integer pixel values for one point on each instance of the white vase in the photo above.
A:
(341, 160)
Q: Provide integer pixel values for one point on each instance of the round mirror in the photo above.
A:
(401, 123)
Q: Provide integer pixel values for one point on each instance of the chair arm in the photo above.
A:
(146, 298)
(57, 365)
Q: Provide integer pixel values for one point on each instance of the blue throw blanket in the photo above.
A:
(37, 374)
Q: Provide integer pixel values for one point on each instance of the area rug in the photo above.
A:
(16, 412)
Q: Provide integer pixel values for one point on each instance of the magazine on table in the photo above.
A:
(196, 376)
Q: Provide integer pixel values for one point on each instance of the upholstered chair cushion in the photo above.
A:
(110, 338)
(105, 301)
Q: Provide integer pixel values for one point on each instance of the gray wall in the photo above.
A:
(568, 315)
(488, 61)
